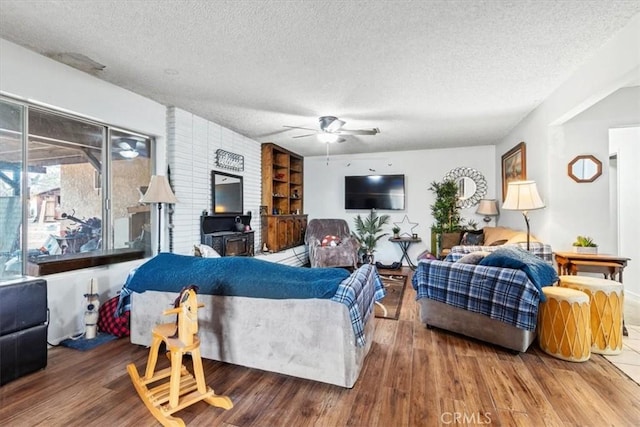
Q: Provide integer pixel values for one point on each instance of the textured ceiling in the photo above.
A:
(427, 73)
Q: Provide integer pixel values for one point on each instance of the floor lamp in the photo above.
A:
(159, 192)
(523, 196)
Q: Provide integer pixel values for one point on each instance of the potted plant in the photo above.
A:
(396, 232)
(585, 245)
(449, 225)
(368, 232)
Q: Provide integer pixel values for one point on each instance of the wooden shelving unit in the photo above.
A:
(284, 224)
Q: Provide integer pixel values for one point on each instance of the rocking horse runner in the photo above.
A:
(184, 389)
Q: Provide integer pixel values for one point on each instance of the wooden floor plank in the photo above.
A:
(412, 377)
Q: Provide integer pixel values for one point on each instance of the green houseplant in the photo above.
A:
(585, 245)
(368, 232)
(448, 226)
(396, 231)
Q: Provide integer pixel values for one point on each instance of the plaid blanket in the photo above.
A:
(358, 292)
(541, 250)
(503, 294)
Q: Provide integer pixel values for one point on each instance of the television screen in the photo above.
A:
(374, 192)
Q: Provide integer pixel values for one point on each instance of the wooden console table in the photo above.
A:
(404, 243)
(609, 265)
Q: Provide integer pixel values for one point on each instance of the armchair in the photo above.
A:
(342, 253)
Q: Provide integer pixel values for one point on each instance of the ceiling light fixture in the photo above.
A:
(327, 137)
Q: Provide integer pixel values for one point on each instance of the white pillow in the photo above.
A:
(208, 252)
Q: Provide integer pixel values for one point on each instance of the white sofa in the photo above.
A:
(306, 338)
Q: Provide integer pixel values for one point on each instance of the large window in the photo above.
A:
(84, 180)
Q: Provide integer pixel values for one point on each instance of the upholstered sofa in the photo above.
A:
(487, 236)
(490, 303)
(261, 315)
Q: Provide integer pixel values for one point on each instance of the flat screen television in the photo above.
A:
(374, 192)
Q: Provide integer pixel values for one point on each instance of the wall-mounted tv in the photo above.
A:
(374, 192)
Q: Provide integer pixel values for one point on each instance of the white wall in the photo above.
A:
(36, 78)
(588, 133)
(625, 143)
(556, 132)
(324, 187)
(615, 65)
(192, 145)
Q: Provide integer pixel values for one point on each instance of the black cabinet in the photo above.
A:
(23, 328)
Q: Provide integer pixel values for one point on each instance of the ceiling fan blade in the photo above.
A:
(304, 136)
(373, 131)
(298, 127)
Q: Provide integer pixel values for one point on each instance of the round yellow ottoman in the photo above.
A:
(564, 324)
(606, 299)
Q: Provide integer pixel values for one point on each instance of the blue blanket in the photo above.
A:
(235, 276)
(540, 272)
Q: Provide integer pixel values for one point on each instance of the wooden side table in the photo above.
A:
(404, 243)
(610, 266)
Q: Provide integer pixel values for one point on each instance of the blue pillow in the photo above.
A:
(539, 271)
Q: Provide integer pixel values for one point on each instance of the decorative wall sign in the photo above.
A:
(227, 160)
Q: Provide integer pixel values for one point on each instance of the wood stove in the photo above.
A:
(221, 233)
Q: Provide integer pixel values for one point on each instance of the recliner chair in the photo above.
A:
(344, 253)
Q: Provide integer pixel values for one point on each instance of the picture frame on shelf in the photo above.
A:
(514, 166)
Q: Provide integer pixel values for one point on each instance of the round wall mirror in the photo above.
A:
(472, 186)
(585, 168)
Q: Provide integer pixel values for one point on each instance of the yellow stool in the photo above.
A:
(606, 299)
(564, 324)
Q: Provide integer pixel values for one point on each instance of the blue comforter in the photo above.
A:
(249, 277)
(235, 276)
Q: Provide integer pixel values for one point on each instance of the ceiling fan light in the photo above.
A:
(328, 137)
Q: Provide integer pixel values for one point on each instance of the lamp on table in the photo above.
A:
(523, 196)
(488, 208)
(159, 191)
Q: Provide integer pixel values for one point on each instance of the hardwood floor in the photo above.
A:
(412, 377)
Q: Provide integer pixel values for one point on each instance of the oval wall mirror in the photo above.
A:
(585, 168)
(472, 186)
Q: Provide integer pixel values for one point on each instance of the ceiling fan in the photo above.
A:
(331, 129)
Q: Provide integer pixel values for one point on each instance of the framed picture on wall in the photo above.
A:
(514, 166)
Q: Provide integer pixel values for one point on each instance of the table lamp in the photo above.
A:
(159, 191)
(488, 208)
(523, 196)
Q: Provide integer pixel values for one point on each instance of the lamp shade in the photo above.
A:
(522, 196)
(488, 207)
(159, 191)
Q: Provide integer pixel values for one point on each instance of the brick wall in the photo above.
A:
(191, 147)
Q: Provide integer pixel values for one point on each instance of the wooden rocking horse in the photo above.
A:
(183, 389)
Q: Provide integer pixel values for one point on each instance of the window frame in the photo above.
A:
(69, 262)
